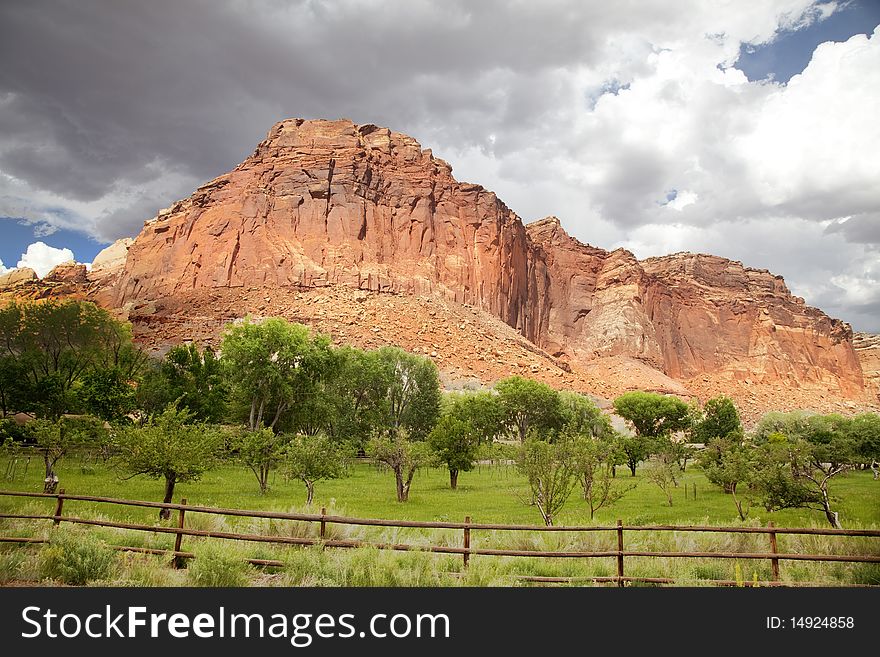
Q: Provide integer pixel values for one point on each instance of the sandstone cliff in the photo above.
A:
(332, 205)
(867, 348)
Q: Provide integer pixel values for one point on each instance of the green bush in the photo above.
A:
(218, 565)
(75, 558)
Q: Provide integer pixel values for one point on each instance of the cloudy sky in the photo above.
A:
(700, 125)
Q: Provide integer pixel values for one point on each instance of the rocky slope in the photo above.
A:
(366, 220)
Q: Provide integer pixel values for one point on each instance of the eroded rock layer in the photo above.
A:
(331, 204)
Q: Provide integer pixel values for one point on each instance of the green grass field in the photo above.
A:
(487, 494)
(491, 493)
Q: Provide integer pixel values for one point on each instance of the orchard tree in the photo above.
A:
(402, 456)
(661, 470)
(529, 406)
(56, 438)
(168, 447)
(260, 451)
(592, 462)
(311, 459)
(549, 470)
(455, 445)
(635, 450)
(729, 463)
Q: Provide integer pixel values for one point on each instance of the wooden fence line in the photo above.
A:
(466, 551)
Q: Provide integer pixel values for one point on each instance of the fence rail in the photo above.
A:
(179, 531)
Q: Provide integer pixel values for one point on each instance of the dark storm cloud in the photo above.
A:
(113, 110)
(860, 228)
(100, 90)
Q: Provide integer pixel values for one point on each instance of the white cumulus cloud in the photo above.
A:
(42, 258)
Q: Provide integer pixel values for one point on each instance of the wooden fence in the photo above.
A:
(179, 530)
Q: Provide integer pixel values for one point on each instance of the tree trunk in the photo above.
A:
(264, 479)
(632, 466)
(402, 489)
(453, 479)
(310, 492)
(832, 516)
(164, 514)
(50, 483)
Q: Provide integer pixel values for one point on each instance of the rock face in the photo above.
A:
(330, 204)
(110, 261)
(17, 277)
(67, 272)
(867, 348)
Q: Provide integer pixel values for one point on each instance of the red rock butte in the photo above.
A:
(362, 224)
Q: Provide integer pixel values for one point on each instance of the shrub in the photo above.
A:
(75, 558)
(218, 565)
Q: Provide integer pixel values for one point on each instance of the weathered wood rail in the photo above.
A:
(467, 550)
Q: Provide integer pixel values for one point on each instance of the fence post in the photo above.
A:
(620, 552)
(178, 537)
(774, 563)
(695, 490)
(467, 541)
(323, 522)
(58, 507)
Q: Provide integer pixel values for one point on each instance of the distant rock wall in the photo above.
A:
(323, 203)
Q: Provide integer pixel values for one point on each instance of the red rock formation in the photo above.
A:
(867, 348)
(331, 203)
(67, 272)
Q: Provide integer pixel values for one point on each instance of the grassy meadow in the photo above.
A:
(489, 494)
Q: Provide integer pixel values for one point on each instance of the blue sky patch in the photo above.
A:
(791, 51)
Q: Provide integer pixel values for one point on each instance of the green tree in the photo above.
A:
(661, 470)
(592, 461)
(529, 405)
(411, 400)
(815, 448)
(56, 438)
(261, 451)
(311, 459)
(194, 379)
(652, 415)
(581, 416)
(272, 364)
(402, 456)
(635, 450)
(551, 477)
(455, 444)
(106, 394)
(654, 418)
(773, 481)
(864, 432)
(356, 389)
(55, 343)
(170, 447)
(481, 410)
(728, 462)
(719, 419)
